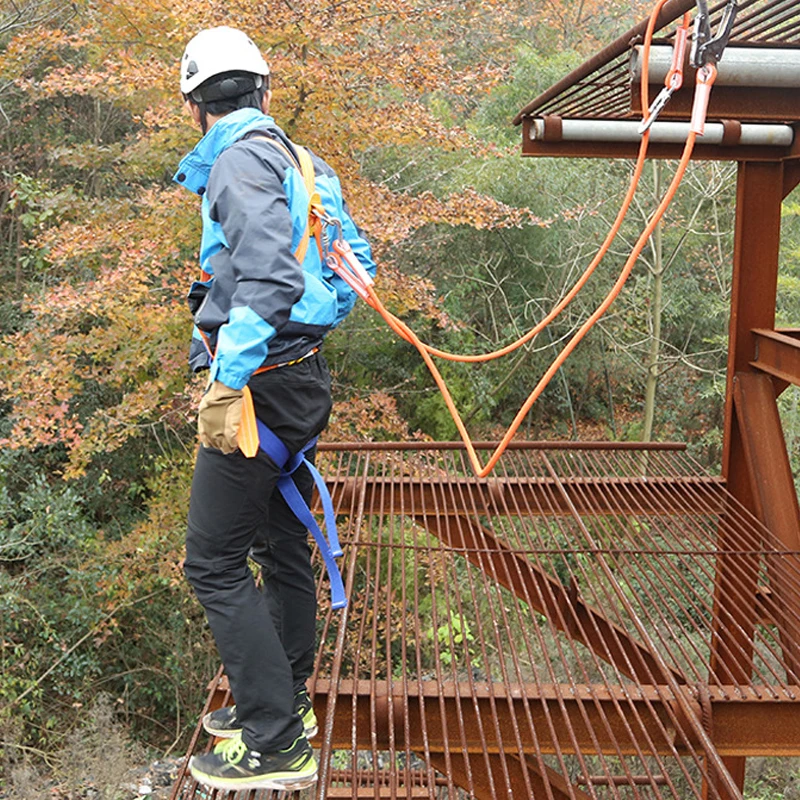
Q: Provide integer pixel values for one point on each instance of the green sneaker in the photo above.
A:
(302, 705)
(233, 766)
(223, 723)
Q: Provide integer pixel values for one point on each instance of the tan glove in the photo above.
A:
(220, 414)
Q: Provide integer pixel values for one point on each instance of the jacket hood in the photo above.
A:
(195, 166)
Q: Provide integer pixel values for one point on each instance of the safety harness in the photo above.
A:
(255, 435)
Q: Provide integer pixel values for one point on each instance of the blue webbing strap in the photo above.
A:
(330, 550)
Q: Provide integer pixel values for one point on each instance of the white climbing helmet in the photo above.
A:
(217, 50)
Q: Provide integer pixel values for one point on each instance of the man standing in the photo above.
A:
(261, 313)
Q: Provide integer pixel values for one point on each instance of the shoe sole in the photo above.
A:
(280, 783)
(229, 733)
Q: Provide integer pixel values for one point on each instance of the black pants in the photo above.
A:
(266, 640)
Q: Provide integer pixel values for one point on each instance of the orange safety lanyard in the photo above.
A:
(340, 262)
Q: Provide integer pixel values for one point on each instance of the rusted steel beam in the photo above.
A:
(516, 444)
(377, 783)
(563, 607)
(774, 494)
(742, 103)
(753, 296)
(767, 458)
(759, 196)
(505, 776)
(624, 780)
(778, 354)
(754, 720)
(756, 726)
(582, 717)
(598, 496)
(791, 170)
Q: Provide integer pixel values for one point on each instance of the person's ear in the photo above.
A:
(266, 100)
(194, 110)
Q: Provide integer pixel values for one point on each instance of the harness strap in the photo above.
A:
(247, 438)
(303, 160)
(271, 444)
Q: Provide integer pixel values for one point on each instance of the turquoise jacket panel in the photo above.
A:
(259, 306)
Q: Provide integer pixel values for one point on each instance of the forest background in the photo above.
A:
(411, 103)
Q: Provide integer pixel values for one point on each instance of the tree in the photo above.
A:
(98, 247)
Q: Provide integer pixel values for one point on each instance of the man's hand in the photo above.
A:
(220, 414)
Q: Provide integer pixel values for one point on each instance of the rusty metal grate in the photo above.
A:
(601, 87)
(590, 622)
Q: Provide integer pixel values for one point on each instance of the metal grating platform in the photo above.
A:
(590, 622)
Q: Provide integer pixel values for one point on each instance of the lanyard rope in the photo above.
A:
(344, 263)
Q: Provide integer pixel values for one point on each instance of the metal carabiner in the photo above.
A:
(708, 49)
(674, 79)
(657, 106)
(326, 221)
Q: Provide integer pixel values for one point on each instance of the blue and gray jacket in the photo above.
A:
(260, 306)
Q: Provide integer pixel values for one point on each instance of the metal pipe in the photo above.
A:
(584, 130)
(520, 444)
(740, 66)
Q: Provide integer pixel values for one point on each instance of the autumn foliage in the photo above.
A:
(102, 359)
(98, 119)
(97, 249)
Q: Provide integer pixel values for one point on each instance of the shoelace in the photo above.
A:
(232, 750)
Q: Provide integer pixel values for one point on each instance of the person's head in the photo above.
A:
(222, 70)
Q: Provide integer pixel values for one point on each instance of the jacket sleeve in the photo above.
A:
(247, 199)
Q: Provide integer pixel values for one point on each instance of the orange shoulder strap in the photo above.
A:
(314, 199)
